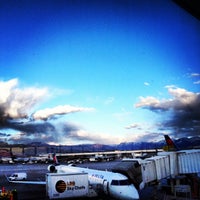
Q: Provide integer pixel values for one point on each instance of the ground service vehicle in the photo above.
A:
(19, 176)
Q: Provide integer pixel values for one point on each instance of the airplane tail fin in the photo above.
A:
(52, 168)
(55, 160)
(171, 146)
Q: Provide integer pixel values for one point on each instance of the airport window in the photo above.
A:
(120, 182)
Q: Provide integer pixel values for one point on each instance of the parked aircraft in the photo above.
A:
(110, 183)
(43, 158)
(114, 184)
(21, 160)
(101, 157)
(6, 160)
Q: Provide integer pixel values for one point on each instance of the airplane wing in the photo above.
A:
(27, 182)
(30, 182)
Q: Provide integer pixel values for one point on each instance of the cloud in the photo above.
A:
(195, 75)
(197, 82)
(49, 113)
(147, 137)
(146, 83)
(16, 106)
(182, 111)
(148, 102)
(4, 135)
(42, 131)
(15, 103)
(58, 133)
(82, 135)
(133, 126)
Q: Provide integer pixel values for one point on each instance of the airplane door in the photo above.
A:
(106, 187)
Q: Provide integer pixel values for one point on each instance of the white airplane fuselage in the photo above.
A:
(114, 184)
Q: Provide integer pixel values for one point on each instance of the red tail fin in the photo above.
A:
(55, 160)
(170, 144)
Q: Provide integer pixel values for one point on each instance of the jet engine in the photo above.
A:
(52, 169)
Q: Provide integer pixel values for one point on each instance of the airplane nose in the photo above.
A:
(130, 194)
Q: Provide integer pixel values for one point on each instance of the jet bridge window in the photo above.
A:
(120, 182)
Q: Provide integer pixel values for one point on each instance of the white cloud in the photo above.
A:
(58, 110)
(146, 83)
(133, 126)
(195, 75)
(197, 82)
(180, 113)
(147, 101)
(17, 102)
(181, 97)
(16, 105)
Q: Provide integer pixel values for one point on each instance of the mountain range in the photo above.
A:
(182, 143)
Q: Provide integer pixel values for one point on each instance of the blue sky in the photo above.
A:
(75, 72)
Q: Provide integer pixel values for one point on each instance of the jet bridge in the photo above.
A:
(164, 165)
(131, 168)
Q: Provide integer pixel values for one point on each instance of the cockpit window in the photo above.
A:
(120, 182)
(114, 182)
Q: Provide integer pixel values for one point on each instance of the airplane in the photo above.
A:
(6, 160)
(113, 184)
(101, 157)
(42, 158)
(21, 160)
